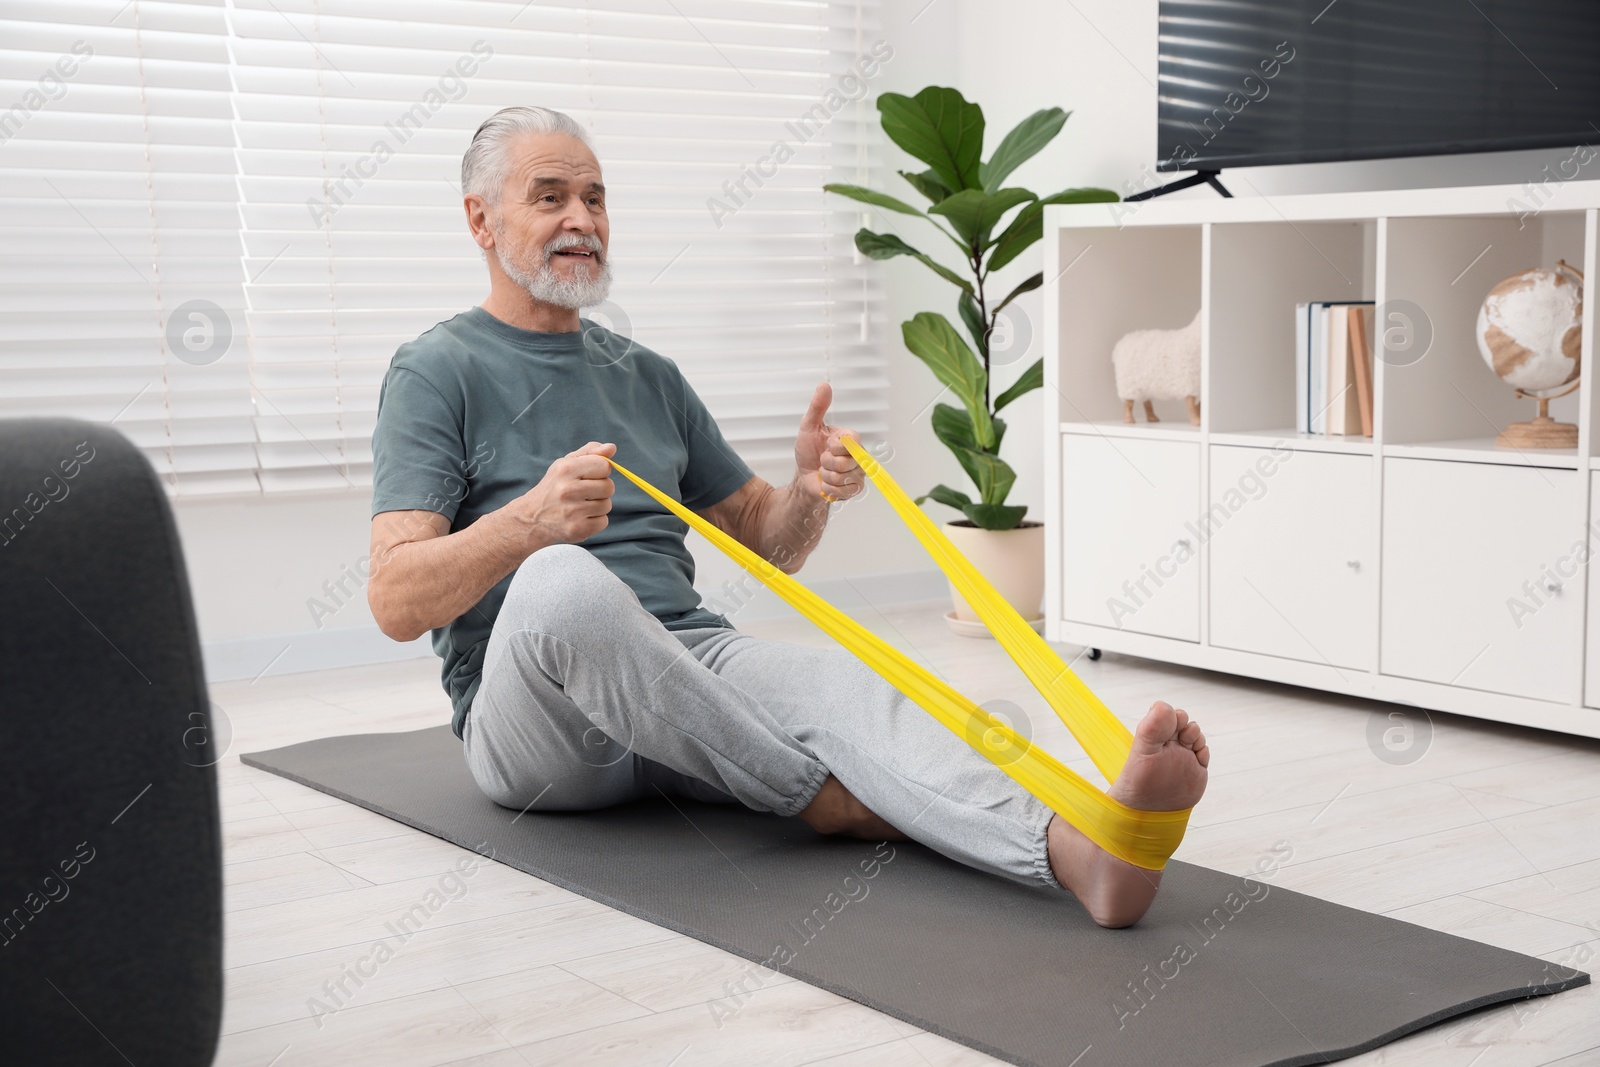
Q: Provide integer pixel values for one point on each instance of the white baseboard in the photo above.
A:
(354, 646)
(309, 650)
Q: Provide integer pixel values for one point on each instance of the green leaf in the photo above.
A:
(992, 475)
(953, 426)
(887, 246)
(882, 245)
(928, 184)
(932, 339)
(973, 469)
(947, 496)
(1027, 286)
(996, 516)
(974, 213)
(1028, 226)
(872, 196)
(1021, 145)
(1024, 230)
(939, 127)
(973, 318)
(1032, 378)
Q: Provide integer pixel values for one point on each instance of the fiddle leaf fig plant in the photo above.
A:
(968, 204)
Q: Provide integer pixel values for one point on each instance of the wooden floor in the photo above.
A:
(1493, 834)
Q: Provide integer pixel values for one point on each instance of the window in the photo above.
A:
(228, 215)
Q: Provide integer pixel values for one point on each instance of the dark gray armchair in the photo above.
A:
(110, 852)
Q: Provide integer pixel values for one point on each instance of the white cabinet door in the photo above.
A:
(1290, 536)
(1467, 598)
(1128, 556)
(1592, 539)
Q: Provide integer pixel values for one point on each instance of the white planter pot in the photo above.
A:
(1012, 560)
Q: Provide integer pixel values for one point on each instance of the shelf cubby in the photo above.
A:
(1122, 279)
(1259, 272)
(1437, 391)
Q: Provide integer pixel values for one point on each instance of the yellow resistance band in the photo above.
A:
(1143, 838)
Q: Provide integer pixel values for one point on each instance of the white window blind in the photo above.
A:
(295, 164)
(119, 210)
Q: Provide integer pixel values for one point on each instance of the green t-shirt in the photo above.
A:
(471, 415)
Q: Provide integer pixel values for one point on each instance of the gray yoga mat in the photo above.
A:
(1221, 971)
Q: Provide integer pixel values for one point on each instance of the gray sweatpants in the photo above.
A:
(587, 700)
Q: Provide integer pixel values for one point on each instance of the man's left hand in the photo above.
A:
(826, 467)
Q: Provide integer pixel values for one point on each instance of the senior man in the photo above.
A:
(581, 667)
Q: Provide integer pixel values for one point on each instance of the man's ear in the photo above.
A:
(479, 222)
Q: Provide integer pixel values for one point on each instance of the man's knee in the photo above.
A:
(563, 589)
(521, 783)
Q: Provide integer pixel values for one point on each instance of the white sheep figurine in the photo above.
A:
(1159, 365)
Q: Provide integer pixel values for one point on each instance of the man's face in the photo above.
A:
(551, 230)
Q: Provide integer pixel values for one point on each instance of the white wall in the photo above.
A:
(255, 562)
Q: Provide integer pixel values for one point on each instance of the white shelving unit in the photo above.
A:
(1421, 565)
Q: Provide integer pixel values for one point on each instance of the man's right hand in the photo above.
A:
(424, 576)
(571, 501)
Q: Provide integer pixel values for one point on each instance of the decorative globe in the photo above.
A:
(1530, 328)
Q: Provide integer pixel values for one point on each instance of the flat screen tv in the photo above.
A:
(1309, 81)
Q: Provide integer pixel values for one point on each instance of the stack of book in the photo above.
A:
(1333, 361)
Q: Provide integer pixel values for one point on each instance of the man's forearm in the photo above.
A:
(428, 583)
(791, 524)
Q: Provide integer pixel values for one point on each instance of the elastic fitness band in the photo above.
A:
(1143, 838)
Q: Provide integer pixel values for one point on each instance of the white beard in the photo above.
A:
(548, 286)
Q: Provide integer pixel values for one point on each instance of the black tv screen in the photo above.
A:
(1255, 83)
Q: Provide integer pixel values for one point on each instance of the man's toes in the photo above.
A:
(1190, 736)
(1158, 725)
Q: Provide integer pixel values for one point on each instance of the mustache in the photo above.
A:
(587, 241)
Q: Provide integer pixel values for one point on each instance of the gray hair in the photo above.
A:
(483, 167)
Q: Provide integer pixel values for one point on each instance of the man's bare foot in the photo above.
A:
(835, 810)
(1166, 771)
